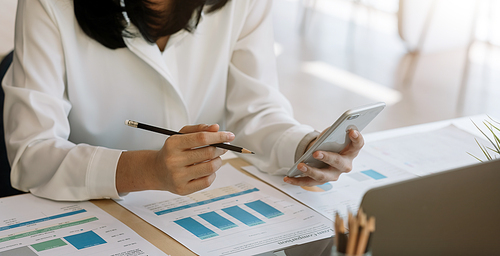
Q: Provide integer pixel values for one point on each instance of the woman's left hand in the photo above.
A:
(338, 163)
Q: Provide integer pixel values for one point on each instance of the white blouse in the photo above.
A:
(67, 96)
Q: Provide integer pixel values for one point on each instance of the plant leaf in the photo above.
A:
(494, 120)
(485, 152)
(475, 157)
(483, 133)
(497, 146)
(494, 150)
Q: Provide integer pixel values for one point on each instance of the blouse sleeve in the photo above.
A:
(36, 110)
(258, 112)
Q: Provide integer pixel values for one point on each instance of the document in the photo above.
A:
(429, 152)
(236, 215)
(345, 194)
(383, 162)
(31, 226)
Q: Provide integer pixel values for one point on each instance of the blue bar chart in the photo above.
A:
(85, 240)
(31, 226)
(243, 216)
(223, 223)
(217, 220)
(205, 202)
(264, 209)
(196, 228)
(236, 215)
(374, 174)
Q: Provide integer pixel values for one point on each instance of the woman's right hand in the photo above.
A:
(185, 164)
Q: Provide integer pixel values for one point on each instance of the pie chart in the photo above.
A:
(318, 188)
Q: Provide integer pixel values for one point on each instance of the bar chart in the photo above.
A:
(250, 213)
(222, 223)
(37, 227)
(237, 215)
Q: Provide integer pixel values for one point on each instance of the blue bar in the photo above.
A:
(85, 240)
(205, 202)
(196, 228)
(326, 186)
(243, 216)
(41, 220)
(264, 209)
(217, 220)
(373, 174)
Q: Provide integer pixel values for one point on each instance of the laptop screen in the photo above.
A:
(454, 212)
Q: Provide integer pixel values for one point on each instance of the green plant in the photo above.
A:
(493, 128)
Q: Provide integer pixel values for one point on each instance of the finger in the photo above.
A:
(357, 139)
(357, 142)
(184, 178)
(200, 139)
(203, 154)
(204, 168)
(197, 184)
(320, 175)
(199, 128)
(337, 161)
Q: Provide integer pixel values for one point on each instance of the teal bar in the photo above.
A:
(264, 209)
(243, 216)
(217, 220)
(196, 228)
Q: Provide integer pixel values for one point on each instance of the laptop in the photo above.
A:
(455, 212)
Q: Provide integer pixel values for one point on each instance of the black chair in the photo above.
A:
(6, 188)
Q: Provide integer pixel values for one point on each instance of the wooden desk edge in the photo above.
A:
(155, 236)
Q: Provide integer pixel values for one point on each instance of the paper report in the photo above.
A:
(31, 226)
(236, 215)
(345, 194)
(383, 162)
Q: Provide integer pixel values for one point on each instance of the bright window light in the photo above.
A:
(351, 82)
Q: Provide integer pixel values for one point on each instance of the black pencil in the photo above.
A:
(169, 132)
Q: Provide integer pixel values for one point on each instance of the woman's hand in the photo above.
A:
(338, 163)
(184, 165)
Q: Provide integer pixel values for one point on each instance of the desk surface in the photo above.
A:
(159, 239)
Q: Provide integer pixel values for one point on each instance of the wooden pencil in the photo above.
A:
(337, 229)
(170, 133)
(364, 235)
(353, 235)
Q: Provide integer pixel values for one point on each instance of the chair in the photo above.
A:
(6, 188)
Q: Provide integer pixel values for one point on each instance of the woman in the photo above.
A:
(83, 67)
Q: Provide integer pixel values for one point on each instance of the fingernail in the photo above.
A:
(303, 169)
(355, 134)
(320, 156)
(230, 135)
(288, 181)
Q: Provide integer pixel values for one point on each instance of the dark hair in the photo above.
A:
(104, 20)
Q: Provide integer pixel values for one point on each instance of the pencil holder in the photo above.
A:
(336, 253)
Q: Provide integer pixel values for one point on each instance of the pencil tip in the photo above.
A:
(246, 151)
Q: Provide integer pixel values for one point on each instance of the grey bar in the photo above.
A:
(21, 251)
(358, 176)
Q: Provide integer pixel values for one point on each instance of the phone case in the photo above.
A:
(336, 137)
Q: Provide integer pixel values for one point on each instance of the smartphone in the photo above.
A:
(336, 137)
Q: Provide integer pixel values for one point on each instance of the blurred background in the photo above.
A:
(429, 60)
